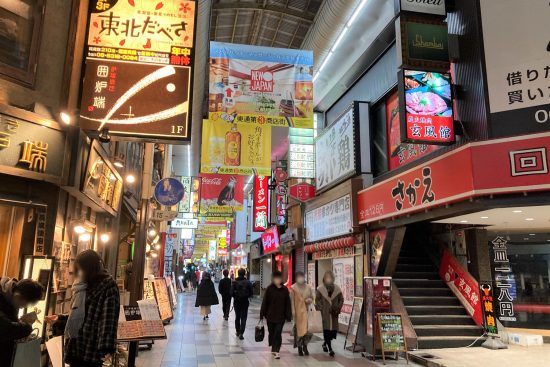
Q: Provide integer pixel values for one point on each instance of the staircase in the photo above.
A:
(438, 317)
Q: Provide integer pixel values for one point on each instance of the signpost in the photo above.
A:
(302, 192)
(163, 215)
(169, 191)
(391, 335)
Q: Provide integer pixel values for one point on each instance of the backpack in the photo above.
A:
(241, 291)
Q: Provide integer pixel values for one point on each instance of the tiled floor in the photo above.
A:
(193, 342)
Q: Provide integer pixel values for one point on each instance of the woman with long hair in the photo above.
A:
(206, 296)
(329, 300)
(301, 297)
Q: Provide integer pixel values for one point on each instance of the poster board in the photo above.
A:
(131, 326)
(344, 277)
(353, 328)
(163, 300)
(390, 334)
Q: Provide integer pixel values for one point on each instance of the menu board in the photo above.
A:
(353, 327)
(132, 327)
(148, 291)
(163, 300)
(390, 328)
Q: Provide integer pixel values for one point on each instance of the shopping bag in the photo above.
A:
(314, 320)
(27, 352)
(259, 332)
(55, 350)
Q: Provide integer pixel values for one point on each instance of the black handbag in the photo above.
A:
(259, 332)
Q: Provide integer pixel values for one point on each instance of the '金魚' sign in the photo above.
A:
(138, 72)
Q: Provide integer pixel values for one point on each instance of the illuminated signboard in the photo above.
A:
(190, 201)
(270, 240)
(261, 203)
(301, 153)
(138, 70)
(426, 100)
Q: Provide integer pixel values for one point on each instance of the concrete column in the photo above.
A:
(479, 261)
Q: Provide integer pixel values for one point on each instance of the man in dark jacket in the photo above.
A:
(241, 291)
(13, 296)
(276, 308)
(225, 290)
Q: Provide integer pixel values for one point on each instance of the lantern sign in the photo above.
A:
(302, 192)
(261, 203)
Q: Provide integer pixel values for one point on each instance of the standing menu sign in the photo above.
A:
(353, 328)
(138, 73)
(163, 300)
(391, 335)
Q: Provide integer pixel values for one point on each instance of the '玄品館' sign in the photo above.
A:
(491, 167)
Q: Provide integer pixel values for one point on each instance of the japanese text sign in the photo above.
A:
(261, 85)
(505, 288)
(190, 201)
(237, 149)
(270, 240)
(490, 167)
(330, 220)
(221, 194)
(463, 285)
(301, 153)
(138, 72)
(426, 101)
(487, 306)
(261, 204)
(518, 78)
(302, 191)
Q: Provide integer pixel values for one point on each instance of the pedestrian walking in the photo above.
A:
(206, 296)
(15, 295)
(276, 309)
(329, 300)
(301, 297)
(241, 291)
(92, 323)
(225, 290)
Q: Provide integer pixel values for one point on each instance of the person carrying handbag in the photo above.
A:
(329, 300)
(301, 297)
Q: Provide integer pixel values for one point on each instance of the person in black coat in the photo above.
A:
(206, 296)
(241, 291)
(276, 309)
(13, 296)
(225, 290)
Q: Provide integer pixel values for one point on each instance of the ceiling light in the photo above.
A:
(340, 38)
(84, 237)
(104, 136)
(517, 211)
(463, 221)
(154, 254)
(79, 229)
(130, 178)
(356, 12)
(104, 237)
(531, 234)
(157, 246)
(118, 163)
(147, 248)
(65, 118)
(484, 217)
(529, 219)
(152, 232)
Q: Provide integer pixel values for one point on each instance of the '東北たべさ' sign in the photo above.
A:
(138, 71)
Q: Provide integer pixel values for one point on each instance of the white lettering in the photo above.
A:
(542, 116)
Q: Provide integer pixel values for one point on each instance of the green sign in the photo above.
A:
(391, 332)
(427, 41)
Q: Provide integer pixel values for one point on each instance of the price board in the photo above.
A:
(163, 300)
(391, 334)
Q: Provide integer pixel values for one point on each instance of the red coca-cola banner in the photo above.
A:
(490, 167)
(221, 194)
(261, 203)
(463, 285)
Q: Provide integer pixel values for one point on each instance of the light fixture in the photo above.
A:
(147, 248)
(79, 229)
(268, 260)
(157, 246)
(65, 118)
(104, 237)
(517, 211)
(118, 163)
(484, 217)
(85, 237)
(154, 255)
(529, 219)
(104, 136)
(152, 232)
(463, 221)
(130, 178)
(156, 239)
(531, 234)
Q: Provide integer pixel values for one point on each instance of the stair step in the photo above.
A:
(414, 260)
(440, 309)
(438, 342)
(418, 283)
(406, 267)
(430, 300)
(424, 291)
(448, 330)
(436, 319)
(416, 275)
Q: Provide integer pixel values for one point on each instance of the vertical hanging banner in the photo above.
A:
(261, 203)
(138, 72)
(301, 153)
(261, 85)
(221, 195)
(190, 201)
(236, 149)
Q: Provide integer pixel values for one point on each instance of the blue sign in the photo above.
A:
(169, 191)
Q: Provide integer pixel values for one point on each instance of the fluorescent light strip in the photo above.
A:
(340, 38)
(356, 12)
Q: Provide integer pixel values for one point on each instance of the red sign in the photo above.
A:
(427, 107)
(261, 203)
(490, 167)
(463, 285)
(302, 191)
(400, 154)
(262, 81)
(221, 194)
(270, 240)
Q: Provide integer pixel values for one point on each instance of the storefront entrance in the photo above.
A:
(12, 220)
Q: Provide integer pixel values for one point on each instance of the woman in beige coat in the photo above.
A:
(301, 297)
